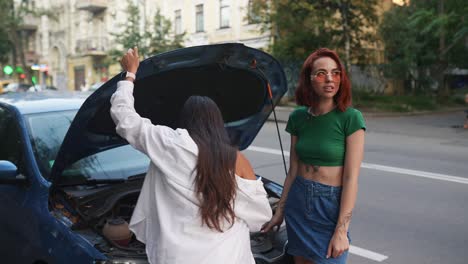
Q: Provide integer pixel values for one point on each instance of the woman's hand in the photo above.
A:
(339, 243)
(130, 60)
(275, 221)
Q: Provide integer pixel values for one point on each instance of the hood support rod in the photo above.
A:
(277, 128)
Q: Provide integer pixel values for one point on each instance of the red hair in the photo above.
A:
(305, 94)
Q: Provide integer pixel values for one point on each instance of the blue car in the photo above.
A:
(69, 183)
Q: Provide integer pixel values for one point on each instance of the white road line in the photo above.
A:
(423, 174)
(268, 150)
(367, 254)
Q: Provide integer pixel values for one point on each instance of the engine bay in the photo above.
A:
(101, 214)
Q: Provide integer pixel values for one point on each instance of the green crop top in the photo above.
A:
(321, 140)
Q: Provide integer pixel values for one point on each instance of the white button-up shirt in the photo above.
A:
(166, 217)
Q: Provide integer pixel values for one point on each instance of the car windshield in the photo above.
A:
(47, 131)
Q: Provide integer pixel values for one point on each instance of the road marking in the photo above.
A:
(268, 150)
(423, 174)
(367, 254)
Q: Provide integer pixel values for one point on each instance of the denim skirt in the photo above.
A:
(311, 214)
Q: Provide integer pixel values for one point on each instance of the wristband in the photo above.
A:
(131, 75)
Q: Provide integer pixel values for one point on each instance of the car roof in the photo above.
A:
(47, 101)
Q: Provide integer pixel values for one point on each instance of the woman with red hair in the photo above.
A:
(327, 146)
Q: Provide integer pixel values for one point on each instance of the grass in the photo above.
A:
(403, 103)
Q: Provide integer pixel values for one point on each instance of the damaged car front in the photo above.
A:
(96, 176)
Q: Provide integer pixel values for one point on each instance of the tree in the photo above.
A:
(11, 33)
(301, 26)
(149, 41)
(6, 46)
(402, 57)
(445, 21)
(160, 40)
(433, 33)
(131, 35)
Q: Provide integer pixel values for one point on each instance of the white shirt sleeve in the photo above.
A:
(251, 204)
(138, 131)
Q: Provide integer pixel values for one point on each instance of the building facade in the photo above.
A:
(213, 21)
(72, 46)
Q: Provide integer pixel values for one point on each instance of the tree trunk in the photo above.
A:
(16, 36)
(444, 90)
(23, 57)
(344, 5)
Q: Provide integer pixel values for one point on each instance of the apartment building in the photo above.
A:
(73, 45)
(213, 21)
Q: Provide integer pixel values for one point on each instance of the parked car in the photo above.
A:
(16, 87)
(4, 83)
(66, 177)
(95, 86)
(40, 87)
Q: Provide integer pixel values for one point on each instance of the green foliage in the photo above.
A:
(301, 26)
(131, 36)
(433, 41)
(152, 40)
(11, 37)
(159, 40)
(6, 46)
(367, 101)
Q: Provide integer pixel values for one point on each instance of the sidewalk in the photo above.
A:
(283, 112)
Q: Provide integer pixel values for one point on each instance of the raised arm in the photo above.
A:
(138, 131)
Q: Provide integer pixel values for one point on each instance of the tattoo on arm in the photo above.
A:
(345, 221)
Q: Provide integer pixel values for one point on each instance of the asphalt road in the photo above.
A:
(413, 189)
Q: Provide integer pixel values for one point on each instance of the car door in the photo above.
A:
(19, 211)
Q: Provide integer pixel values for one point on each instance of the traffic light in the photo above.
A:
(8, 70)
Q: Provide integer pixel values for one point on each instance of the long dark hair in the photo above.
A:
(215, 181)
(305, 94)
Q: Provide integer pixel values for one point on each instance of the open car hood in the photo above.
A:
(236, 77)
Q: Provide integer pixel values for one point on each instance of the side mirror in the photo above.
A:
(9, 173)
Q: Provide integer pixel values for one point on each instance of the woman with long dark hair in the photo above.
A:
(200, 197)
(327, 146)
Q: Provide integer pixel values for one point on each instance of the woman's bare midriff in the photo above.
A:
(329, 175)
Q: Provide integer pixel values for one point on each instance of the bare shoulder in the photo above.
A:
(243, 167)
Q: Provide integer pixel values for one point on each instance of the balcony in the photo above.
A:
(29, 23)
(94, 6)
(92, 46)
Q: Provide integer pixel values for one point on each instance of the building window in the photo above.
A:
(252, 17)
(199, 18)
(224, 14)
(178, 22)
